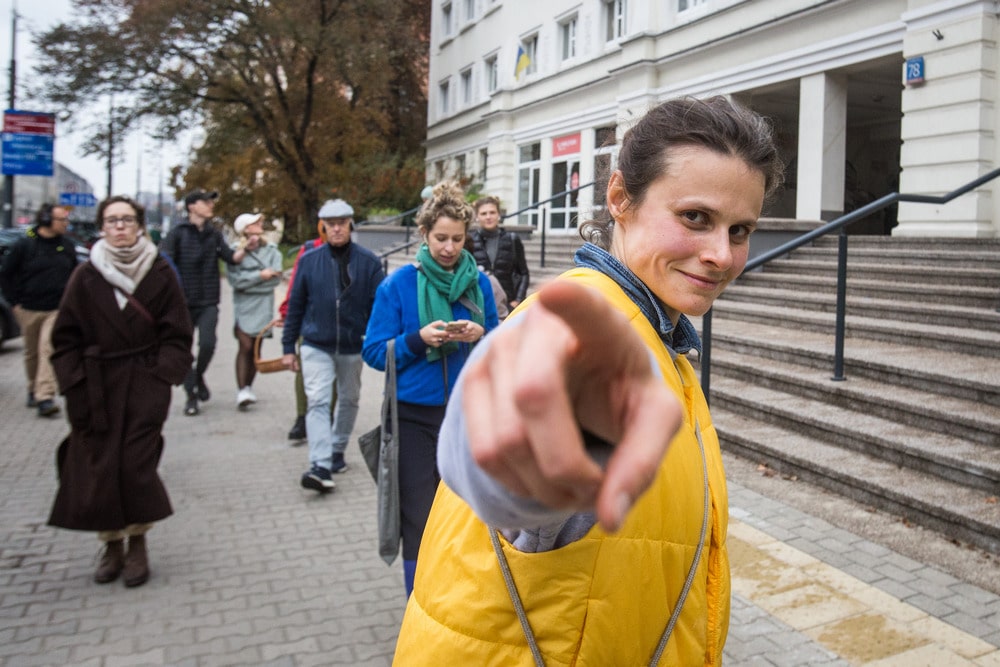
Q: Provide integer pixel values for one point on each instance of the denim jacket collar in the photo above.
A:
(680, 339)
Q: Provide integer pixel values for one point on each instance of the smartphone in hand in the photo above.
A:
(457, 326)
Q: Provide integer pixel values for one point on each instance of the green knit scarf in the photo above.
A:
(438, 288)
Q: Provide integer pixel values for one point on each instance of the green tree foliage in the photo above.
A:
(300, 100)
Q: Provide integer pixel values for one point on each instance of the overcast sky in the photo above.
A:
(35, 16)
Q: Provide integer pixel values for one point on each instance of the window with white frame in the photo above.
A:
(460, 166)
(683, 5)
(567, 37)
(470, 10)
(483, 156)
(465, 85)
(530, 46)
(529, 171)
(447, 20)
(444, 97)
(615, 19)
(491, 68)
(605, 153)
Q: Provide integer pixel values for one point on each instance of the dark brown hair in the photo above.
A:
(140, 210)
(715, 123)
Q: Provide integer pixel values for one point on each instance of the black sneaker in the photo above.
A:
(338, 464)
(191, 407)
(318, 479)
(32, 403)
(47, 408)
(203, 393)
(298, 431)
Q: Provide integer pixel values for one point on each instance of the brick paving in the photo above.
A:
(254, 570)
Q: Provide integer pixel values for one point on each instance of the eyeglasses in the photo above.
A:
(127, 220)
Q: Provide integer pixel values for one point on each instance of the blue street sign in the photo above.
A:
(27, 154)
(914, 70)
(80, 199)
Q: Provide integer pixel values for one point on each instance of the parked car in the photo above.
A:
(83, 233)
(8, 324)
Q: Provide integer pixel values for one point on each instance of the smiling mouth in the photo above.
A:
(705, 283)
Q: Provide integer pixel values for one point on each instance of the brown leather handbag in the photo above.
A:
(265, 365)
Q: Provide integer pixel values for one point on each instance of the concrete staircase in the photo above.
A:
(915, 428)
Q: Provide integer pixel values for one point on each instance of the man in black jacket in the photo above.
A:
(195, 246)
(500, 252)
(33, 279)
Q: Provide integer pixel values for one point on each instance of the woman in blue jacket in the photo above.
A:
(435, 310)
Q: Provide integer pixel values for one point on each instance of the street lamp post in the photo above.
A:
(8, 191)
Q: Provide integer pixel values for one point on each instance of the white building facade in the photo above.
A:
(527, 99)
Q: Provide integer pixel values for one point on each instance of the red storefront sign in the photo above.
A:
(567, 145)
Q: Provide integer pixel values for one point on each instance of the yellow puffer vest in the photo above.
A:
(603, 600)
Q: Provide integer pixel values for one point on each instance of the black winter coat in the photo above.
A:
(115, 367)
(195, 253)
(510, 267)
(36, 271)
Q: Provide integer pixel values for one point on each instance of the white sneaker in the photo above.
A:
(250, 395)
(244, 397)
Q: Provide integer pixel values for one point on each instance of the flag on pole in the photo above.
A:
(523, 61)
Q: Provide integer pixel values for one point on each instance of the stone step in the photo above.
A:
(905, 256)
(892, 273)
(972, 297)
(914, 407)
(948, 457)
(964, 340)
(958, 510)
(912, 243)
(938, 369)
(921, 312)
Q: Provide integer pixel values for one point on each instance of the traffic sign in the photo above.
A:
(81, 199)
(28, 139)
(27, 154)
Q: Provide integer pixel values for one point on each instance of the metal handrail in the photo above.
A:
(539, 204)
(399, 217)
(836, 225)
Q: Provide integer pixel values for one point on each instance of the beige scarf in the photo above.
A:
(123, 268)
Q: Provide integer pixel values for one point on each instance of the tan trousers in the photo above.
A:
(131, 530)
(36, 327)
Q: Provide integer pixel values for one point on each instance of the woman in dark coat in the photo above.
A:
(121, 339)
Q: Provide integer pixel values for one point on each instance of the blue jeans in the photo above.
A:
(319, 371)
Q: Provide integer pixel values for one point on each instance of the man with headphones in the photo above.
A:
(329, 305)
(33, 279)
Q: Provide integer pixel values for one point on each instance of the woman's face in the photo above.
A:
(689, 237)
(253, 233)
(445, 241)
(120, 225)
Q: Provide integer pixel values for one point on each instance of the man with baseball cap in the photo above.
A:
(331, 300)
(194, 245)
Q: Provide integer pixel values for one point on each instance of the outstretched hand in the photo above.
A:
(572, 363)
